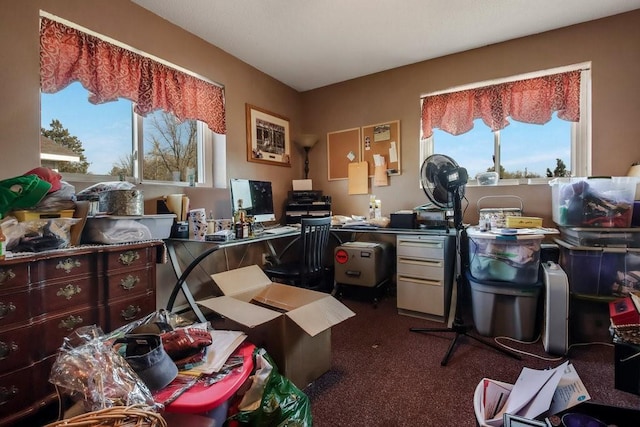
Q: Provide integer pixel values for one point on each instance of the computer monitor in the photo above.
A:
(256, 196)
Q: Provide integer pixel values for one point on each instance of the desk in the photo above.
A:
(341, 234)
(200, 398)
(211, 247)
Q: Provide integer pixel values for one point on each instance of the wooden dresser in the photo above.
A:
(45, 297)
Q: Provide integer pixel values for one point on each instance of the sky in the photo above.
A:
(105, 131)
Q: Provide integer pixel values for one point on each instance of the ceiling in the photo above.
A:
(308, 44)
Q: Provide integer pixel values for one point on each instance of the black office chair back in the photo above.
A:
(314, 238)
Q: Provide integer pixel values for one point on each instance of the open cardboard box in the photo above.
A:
(292, 324)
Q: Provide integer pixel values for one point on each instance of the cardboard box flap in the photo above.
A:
(320, 315)
(285, 297)
(241, 280)
(242, 312)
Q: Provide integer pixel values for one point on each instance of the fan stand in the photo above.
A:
(457, 326)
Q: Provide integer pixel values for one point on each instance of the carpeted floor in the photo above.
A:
(384, 375)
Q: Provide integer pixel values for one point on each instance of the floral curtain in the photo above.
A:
(110, 72)
(529, 101)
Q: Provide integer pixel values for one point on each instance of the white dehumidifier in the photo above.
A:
(555, 329)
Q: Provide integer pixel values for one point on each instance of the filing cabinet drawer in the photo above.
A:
(420, 268)
(420, 247)
(421, 295)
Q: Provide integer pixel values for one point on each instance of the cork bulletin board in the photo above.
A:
(343, 148)
(382, 139)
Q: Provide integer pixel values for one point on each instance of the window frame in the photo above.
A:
(211, 146)
(581, 160)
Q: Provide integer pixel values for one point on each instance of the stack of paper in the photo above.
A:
(224, 343)
(534, 393)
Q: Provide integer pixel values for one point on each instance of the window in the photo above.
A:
(521, 152)
(124, 126)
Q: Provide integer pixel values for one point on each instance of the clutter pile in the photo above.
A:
(37, 210)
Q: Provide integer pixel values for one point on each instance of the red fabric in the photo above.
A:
(110, 72)
(49, 175)
(528, 101)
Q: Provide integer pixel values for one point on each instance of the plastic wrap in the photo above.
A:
(38, 235)
(87, 368)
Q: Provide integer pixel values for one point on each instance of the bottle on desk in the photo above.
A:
(240, 222)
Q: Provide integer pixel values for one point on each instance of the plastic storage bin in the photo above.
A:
(513, 258)
(600, 271)
(593, 202)
(111, 229)
(501, 309)
(601, 237)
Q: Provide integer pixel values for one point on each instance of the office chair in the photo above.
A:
(308, 271)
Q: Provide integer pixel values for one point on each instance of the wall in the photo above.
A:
(611, 44)
(135, 26)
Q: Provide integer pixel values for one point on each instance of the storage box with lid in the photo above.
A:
(111, 229)
(593, 202)
(601, 237)
(600, 271)
(510, 258)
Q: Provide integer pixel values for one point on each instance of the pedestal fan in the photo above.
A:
(443, 182)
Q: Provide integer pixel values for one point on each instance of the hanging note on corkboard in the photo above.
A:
(382, 139)
(343, 148)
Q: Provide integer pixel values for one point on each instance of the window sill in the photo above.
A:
(512, 182)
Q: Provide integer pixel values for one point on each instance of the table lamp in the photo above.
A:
(306, 141)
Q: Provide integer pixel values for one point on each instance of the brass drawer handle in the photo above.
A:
(68, 264)
(6, 349)
(70, 323)
(6, 309)
(129, 282)
(6, 394)
(130, 312)
(129, 257)
(69, 291)
(6, 275)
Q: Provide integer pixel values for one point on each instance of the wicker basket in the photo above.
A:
(117, 416)
(628, 333)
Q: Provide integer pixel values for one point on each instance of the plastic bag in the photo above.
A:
(39, 234)
(92, 192)
(88, 369)
(272, 400)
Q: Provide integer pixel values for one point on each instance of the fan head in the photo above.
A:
(442, 180)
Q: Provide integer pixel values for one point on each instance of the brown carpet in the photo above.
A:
(384, 375)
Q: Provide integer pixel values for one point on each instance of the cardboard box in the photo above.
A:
(292, 324)
(623, 312)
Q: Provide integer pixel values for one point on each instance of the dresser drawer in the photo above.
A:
(16, 348)
(422, 296)
(63, 267)
(124, 311)
(130, 283)
(54, 329)
(15, 307)
(420, 247)
(14, 275)
(420, 268)
(135, 257)
(68, 294)
(16, 390)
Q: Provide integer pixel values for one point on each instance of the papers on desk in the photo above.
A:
(534, 393)
(224, 343)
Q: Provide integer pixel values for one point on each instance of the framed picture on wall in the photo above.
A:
(268, 137)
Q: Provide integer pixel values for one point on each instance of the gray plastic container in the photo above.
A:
(502, 309)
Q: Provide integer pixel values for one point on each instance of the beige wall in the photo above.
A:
(135, 26)
(611, 44)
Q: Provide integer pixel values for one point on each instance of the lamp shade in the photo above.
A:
(634, 170)
(306, 140)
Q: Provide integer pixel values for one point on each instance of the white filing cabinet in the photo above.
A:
(425, 269)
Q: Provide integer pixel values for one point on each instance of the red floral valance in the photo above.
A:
(110, 72)
(529, 101)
